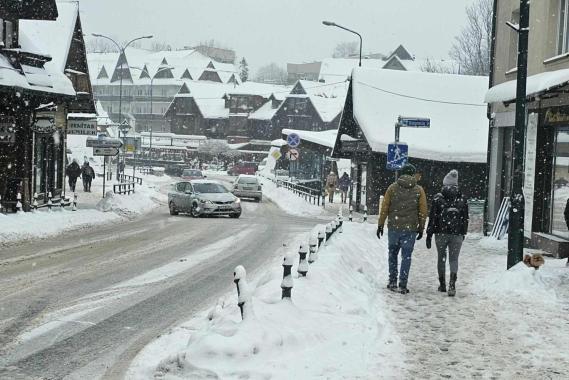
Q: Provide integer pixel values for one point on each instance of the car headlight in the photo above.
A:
(206, 201)
(237, 200)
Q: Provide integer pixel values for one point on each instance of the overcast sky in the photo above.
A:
(282, 31)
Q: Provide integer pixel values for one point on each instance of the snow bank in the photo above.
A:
(289, 202)
(334, 327)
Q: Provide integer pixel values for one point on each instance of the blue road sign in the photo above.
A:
(397, 156)
(415, 122)
(293, 140)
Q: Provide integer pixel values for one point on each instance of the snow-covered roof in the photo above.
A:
(261, 89)
(266, 112)
(324, 138)
(536, 84)
(212, 108)
(454, 103)
(334, 89)
(340, 69)
(328, 108)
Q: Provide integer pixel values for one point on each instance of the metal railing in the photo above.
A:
(130, 178)
(124, 188)
(309, 194)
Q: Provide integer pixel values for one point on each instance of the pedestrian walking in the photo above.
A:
(331, 184)
(345, 182)
(88, 174)
(448, 221)
(73, 171)
(405, 208)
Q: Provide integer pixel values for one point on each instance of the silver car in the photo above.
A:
(203, 197)
(248, 186)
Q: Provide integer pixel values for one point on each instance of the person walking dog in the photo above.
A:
(405, 208)
(448, 221)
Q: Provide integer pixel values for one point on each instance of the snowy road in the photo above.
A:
(83, 304)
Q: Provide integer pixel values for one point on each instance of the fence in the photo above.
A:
(130, 178)
(124, 188)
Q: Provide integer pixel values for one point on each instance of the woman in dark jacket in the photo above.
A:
(448, 221)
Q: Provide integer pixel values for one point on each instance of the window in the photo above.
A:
(513, 52)
(563, 38)
(9, 34)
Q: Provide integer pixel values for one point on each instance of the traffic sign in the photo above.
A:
(414, 122)
(276, 154)
(397, 155)
(103, 142)
(292, 154)
(130, 148)
(293, 140)
(105, 151)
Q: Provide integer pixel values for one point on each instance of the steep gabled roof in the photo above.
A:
(28, 9)
(103, 73)
(186, 75)
(122, 70)
(402, 53)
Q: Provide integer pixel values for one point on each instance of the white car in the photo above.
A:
(248, 186)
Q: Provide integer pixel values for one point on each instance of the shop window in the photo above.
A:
(563, 27)
(560, 183)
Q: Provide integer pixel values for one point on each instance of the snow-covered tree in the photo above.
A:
(213, 148)
(271, 73)
(433, 66)
(243, 70)
(471, 48)
(346, 49)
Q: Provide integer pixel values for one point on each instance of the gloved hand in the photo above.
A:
(379, 232)
(429, 241)
(420, 235)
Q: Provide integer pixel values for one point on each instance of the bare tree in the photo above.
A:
(471, 48)
(443, 67)
(99, 45)
(213, 148)
(271, 73)
(160, 46)
(346, 49)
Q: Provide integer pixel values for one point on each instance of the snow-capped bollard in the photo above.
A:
(35, 203)
(313, 245)
(240, 280)
(19, 202)
(351, 216)
(287, 283)
(49, 203)
(74, 208)
(321, 237)
(365, 214)
(328, 232)
(341, 222)
(302, 264)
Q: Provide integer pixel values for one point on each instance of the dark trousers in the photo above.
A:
(72, 183)
(403, 241)
(87, 183)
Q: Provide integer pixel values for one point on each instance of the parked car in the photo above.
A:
(248, 186)
(203, 197)
(243, 167)
(189, 174)
(175, 170)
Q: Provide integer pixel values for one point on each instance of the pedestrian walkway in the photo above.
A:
(473, 336)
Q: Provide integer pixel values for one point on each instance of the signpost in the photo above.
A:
(104, 146)
(292, 154)
(397, 155)
(293, 140)
(105, 151)
(396, 148)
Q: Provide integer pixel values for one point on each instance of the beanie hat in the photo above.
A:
(451, 179)
(408, 169)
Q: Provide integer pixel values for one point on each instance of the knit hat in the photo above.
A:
(408, 169)
(451, 179)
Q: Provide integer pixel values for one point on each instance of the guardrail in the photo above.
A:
(309, 194)
(124, 188)
(130, 178)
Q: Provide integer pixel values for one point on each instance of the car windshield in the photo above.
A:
(248, 181)
(192, 173)
(209, 188)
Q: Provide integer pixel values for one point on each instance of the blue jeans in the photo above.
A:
(404, 241)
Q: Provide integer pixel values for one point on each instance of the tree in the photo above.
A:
(443, 67)
(346, 49)
(213, 148)
(243, 70)
(272, 73)
(100, 45)
(471, 48)
(160, 46)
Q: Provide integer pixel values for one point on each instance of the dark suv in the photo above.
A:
(243, 167)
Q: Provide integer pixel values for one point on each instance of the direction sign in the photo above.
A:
(292, 154)
(293, 140)
(414, 122)
(103, 142)
(105, 151)
(397, 155)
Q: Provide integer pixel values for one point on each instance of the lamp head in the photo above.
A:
(328, 23)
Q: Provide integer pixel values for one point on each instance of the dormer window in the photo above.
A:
(8, 34)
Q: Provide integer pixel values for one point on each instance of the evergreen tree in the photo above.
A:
(243, 70)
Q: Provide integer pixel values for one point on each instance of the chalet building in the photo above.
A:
(302, 71)
(546, 157)
(456, 138)
(261, 121)
(38, 93)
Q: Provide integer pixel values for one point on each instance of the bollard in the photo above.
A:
(49, 203)
(313, 244)
(365, 214)
(35, 204)
(341, 222)
(302, 264)
(328, 232)
(324, 199)
(321, 237)
(19, 202)
(287, 283)
(74, 208)
(240, 280)
(351, 217)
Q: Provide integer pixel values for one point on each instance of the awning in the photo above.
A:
(536, 84)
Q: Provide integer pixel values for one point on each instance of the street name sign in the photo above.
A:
(105, 151)
(103, 142)
(293, 140)
(397, 155)
(414, 122)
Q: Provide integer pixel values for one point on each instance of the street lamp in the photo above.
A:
(121, 52)
(330, 23)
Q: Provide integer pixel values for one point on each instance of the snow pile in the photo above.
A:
(334, 327)
(288, 201)
(146, 198)
(43, 223)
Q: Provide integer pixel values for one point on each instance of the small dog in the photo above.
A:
(534, 261)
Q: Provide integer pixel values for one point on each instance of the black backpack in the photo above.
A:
(451, 219)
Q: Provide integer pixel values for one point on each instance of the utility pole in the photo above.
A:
(517, 208)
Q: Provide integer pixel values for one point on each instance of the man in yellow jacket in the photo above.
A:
(405, 208)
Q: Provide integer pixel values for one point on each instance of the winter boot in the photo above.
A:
(442, 284)
(403, 290)
(392, 285)
(451, 285)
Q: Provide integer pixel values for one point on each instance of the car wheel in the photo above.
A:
(235, 216)
(259, 199)
(172, 208)
(194, 211)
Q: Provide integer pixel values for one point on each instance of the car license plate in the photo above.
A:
(247, 188)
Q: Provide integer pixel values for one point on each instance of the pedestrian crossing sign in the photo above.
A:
(397, 155)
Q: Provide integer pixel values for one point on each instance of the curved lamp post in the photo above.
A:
(330, 23)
